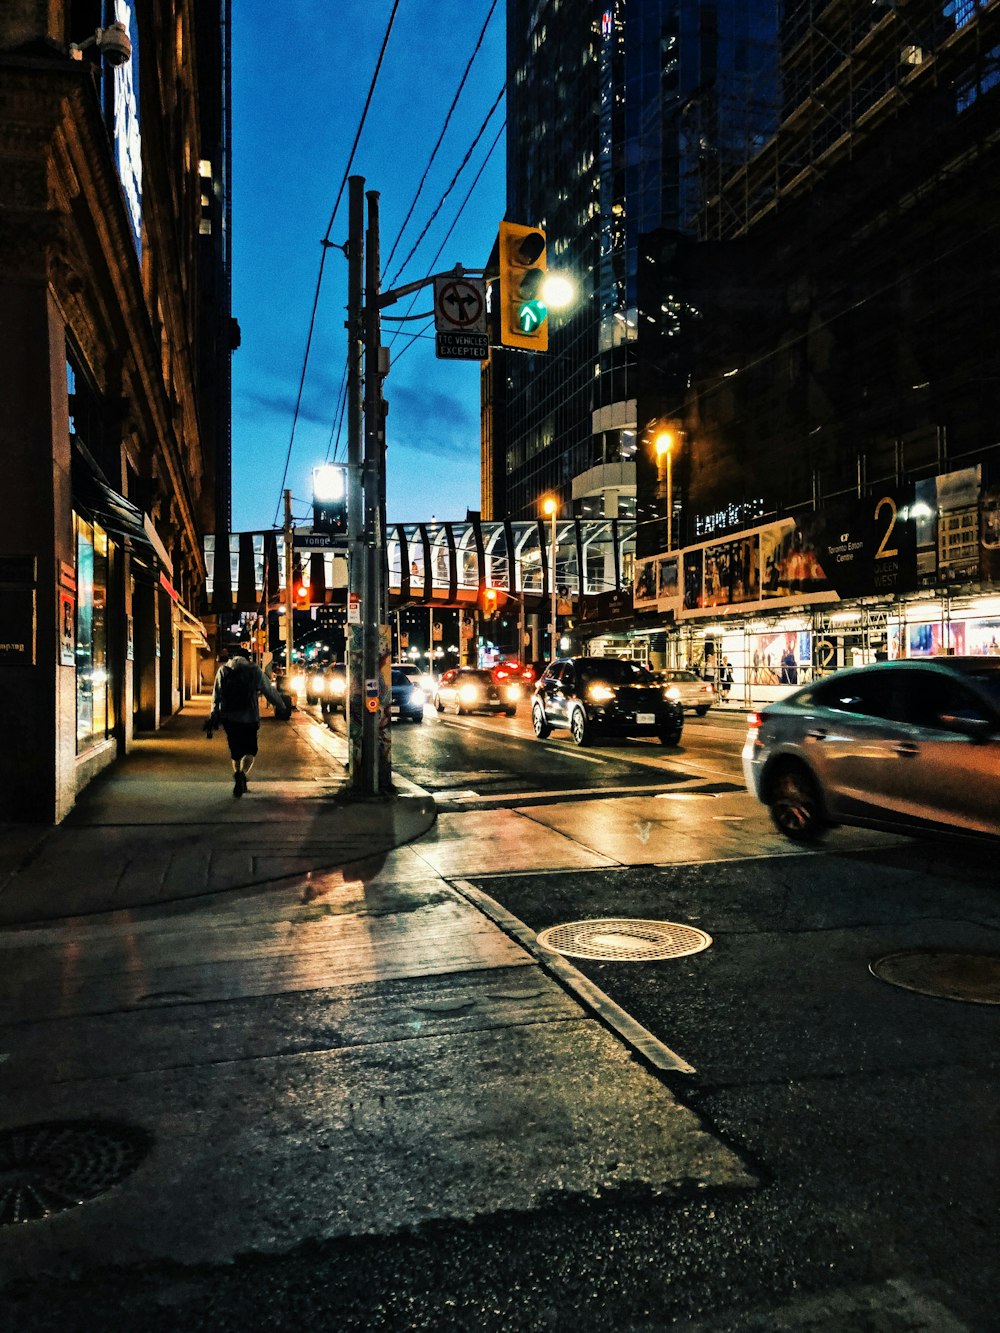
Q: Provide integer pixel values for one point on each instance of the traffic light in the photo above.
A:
(330, 498)
(524, 318)
(492, 600)
(301, 595)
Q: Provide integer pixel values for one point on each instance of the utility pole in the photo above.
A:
(376, 776)
(355, 545)
(377, 624)
(289, 595)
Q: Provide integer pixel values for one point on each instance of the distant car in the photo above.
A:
(473, 690)
(607, 696)
(334, 698)
(408, 697)
(911, 746)
(315, 684)
(425, 679)
(689, 689)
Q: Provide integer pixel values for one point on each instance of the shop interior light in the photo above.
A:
(845, 617)
(984, 606)
(924, 611)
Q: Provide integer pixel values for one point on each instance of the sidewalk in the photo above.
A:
(163, 826)
(315, 1035)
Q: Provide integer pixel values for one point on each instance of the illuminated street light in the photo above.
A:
(558, 291)
(550, 507)
(664, 446)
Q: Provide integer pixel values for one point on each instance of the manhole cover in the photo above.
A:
(946, 974)
(624, 940)
(50, 1167)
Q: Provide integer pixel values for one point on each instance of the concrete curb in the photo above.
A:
(622, 1024)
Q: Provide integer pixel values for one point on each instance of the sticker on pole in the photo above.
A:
(459, 305)
(353, 608)
(372, 705)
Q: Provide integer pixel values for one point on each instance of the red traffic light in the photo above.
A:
(301, 592)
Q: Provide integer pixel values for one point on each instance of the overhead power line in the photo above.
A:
(322, 263)
(430, 161)
(454, 180)
(433, 264)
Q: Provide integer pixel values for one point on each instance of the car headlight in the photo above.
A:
(600, 694)
(672, 692)
(337, 687)
(298, 684)
(417, 697)
(513, 692)
(467, 693)
(318, 685)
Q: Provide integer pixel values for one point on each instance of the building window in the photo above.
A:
(92, 683)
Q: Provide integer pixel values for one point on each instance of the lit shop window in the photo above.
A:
(92, 714)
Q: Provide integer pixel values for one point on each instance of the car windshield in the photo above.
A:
(614, 670)
(686, 676)
(400, 677)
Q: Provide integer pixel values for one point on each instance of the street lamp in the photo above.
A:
(550, 506)
(664, 446)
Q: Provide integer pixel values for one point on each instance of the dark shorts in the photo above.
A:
(242, 738)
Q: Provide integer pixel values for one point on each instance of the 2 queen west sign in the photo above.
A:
(868, 547)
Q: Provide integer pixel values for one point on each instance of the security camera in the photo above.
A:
(113, 42)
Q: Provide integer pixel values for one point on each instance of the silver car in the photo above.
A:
(909, 746)
(689, 689)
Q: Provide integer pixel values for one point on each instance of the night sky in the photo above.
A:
(301, 74)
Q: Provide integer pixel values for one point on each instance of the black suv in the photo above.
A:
(604, 696)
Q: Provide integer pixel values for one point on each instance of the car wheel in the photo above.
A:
(510, 712)
(579, 727)
(671, 736)
(702, 711)
(438, 704)
(795, 803)
(417, 717)
(538, 724)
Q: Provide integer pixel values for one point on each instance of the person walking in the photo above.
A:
(725, 679)
(238, 682)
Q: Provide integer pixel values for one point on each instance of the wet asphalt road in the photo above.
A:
(868, 1113)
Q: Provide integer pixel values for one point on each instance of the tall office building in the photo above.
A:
(840, 465)
(619, 117)
(115, 336)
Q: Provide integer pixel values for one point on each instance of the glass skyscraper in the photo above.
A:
(620, 116)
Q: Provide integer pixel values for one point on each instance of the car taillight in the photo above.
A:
(754, 721)
(706, 689)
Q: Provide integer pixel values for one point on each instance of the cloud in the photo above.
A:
(429, 422)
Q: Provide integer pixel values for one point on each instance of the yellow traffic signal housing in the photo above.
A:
(524, 319)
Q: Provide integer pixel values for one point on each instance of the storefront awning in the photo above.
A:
(192, 626)
(113, 512)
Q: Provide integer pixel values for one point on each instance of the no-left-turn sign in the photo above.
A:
(459, 304)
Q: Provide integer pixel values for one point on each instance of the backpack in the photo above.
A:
(236, 690)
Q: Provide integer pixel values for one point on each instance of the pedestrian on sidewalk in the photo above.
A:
(238, 682)
(725, 679)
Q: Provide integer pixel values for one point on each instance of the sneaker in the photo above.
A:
(239, 784)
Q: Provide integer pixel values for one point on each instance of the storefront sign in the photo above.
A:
(868, 547)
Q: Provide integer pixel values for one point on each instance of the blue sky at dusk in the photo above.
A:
(300, 77)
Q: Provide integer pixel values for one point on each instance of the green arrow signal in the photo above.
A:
(531, 315)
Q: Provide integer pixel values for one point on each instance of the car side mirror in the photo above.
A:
(976, 728)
